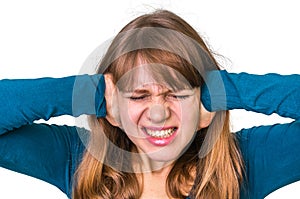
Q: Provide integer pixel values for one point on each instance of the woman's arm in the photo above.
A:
(47, 152)
(271, 156)
(271, 153)
(270, 93)
(24, 101)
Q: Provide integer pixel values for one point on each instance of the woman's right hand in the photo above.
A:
(112, 109)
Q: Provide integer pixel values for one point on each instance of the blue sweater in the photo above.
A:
(52, 153)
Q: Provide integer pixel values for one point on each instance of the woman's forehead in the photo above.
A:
(152, 87)
(157, 75)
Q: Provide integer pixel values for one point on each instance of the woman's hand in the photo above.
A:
(206, 117)
(112, 109)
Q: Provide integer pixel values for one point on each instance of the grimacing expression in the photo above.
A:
(160, 119)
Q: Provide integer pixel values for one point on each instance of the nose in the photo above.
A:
(158, 113)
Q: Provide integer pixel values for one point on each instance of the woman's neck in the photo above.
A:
(143, 164)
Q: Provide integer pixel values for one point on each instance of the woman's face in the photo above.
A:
(161, 122)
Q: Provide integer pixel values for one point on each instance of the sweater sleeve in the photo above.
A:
(270, 93)
(270, 153)
(271, 157)
(48, 152)
(24, 101)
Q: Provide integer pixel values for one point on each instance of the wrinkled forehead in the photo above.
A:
(153, 74)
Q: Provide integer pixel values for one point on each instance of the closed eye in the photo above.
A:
(137, 98)
(179, 97)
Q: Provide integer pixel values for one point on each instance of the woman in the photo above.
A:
(157, 139)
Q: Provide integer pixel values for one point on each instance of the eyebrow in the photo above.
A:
(140, 91)
(146, 91)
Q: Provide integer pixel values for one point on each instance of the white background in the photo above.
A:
(53, 38)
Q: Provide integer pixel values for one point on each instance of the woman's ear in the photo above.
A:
(206, 117)
(112, 109)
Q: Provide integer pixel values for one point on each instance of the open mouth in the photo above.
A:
(163, 133)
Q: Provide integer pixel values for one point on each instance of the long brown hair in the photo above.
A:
(160, 37)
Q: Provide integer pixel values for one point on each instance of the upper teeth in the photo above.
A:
(161, 133)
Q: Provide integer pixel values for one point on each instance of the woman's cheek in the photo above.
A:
(133, 112)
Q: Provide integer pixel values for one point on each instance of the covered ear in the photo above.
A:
(112, 109)
(206, 117)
